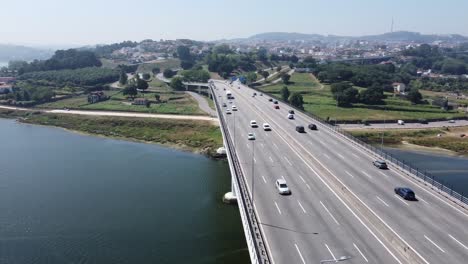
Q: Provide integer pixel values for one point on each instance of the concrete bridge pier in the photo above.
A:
(230, 197)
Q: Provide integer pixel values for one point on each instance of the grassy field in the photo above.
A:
(318, 100)
(196, 136)
(450, 138)
(162, 64)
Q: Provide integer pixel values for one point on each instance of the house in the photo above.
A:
(399, 88)
(7, 80)
(97, 96)
(140, 101)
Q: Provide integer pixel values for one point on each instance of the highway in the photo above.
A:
(318, 222)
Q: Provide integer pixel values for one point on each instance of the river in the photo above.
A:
(71, 198)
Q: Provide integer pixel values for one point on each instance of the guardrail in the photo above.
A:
(405, 167)
(244, 194)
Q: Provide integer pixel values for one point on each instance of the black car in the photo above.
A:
(312, 127)
(406, 193)
(270, 100)
(300, 129)
(224, 104)
(291, 112)
(380, 164)
(275, 102)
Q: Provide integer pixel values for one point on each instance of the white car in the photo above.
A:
(251, 136)
(451, 121)
(290, 116)
(266, 127)
(282, 187)
(228, 111)
(234, 108)
(253, 123)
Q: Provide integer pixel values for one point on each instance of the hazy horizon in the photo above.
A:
(59, 23)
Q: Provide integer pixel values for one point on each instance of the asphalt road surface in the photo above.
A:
(315, 223)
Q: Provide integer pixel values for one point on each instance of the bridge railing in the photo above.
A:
(262, 255)
(405, 167)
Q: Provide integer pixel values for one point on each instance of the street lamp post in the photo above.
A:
(342, 258)
(383, 131)
(253, 171)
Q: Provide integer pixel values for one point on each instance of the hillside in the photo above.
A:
(15, 52)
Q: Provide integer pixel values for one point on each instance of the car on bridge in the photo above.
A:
(406, 193)
(253, 123)
(224, 104)
(275, 102)
(291, 112)
(282, 187)
(270, 99)
(266, 127)
(290, 116)
(228, 111)
(312, 127)
(251, 136)
(380, 164)
(276, 107)
(234, 108)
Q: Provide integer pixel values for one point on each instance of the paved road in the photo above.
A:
(437, 124)
(121, 114)
(203, 103)
(317, 222)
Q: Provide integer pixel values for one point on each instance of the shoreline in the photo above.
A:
(404, 145)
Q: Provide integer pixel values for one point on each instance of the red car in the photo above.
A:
(276, 106)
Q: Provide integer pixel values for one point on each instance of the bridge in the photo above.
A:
(342, 208)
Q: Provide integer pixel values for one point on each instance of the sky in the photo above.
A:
(88, 22)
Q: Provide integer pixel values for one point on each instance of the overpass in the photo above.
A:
(342, 208)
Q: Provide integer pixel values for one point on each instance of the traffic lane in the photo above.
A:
(351, 244)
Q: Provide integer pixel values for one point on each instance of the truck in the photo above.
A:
(229, 95)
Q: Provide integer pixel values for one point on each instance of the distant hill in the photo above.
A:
(15, 52)
(394, 36)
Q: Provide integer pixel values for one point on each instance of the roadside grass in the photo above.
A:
(319, 101)
(197, 136)
(450, 138)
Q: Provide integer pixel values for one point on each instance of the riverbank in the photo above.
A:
(196, 136)
(446, 140)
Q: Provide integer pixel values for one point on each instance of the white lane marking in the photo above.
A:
(266, 134)
(288, 161)
(400, 199)
(341, 200)
(365, 173)
(248, 145)
(434, 243)
(383, 174)
(328, 157)
(349, 174)
(261, 144)
(330, 252)
(299, 252)
(383, 201)
(271, 159)
(264, 179)
(283, 177)
(341, 156)
(326, 209)
(355, 155)
(458, 242)
(255, 161)
(277, 207)
(276, 146)
(360, 252)
(419, 198)
(302, 178)
(308, 186)
(301, 207)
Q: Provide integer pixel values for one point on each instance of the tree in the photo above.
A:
(168, 73)
(285, 93)
(146, 76)
(297, 100)
(177, 84)
(142, 84)
(26, 96)
(285, 78)
(155, 70)
(251, 77)
(294, 59)
(186, 64)
(18, 96)
(262, 54)
(130, 90)
(278, 69)
(157, 97)
(372, 95)
(265, 74)
(183, 53)
(344, 93)
(414, 96)
(123, 78)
